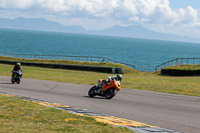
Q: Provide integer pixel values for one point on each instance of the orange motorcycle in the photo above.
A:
(105, 88)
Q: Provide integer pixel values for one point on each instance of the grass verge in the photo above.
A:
(139, 80)
(17, 115)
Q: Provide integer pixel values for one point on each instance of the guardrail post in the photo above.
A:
(176, 62)
(155, 69)
(103, 59)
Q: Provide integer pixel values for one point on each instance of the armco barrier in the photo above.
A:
(113, 70)
(174, 72)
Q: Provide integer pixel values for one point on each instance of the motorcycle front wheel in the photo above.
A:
(12, 80)
(18, 82)
(91, 92)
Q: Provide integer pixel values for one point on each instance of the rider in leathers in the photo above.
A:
(16, 68)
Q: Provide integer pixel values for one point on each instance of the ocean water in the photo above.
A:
(128, 50)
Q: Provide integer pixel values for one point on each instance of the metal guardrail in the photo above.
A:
(178, 61)
(55, 57)
(63, 57)
(143, 68)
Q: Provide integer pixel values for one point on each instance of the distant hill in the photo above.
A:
(134, 31)
(137, 31)
(38, 24)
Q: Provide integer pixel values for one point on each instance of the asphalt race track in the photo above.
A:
(176, 112)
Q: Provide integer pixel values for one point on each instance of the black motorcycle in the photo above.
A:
(16, 77)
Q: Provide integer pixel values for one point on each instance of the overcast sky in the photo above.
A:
(180, 17)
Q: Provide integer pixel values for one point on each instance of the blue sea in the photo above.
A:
(128, 50)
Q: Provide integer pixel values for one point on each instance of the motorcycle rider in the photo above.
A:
(118, 78)
(16, 68)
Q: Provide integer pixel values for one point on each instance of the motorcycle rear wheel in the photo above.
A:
(110, 93)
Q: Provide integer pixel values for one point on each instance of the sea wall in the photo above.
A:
(113, 70)
(174, 72)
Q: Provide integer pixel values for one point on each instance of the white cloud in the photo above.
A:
(103, 12)
(189, 15)
(16, 4)
(93, 7)
(101, 8)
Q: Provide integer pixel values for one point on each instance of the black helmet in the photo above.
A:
(119, 77)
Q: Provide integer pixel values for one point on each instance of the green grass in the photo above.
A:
(168, 84)
(21, 116)
(17, 115)
(139, 80)
(184, 67)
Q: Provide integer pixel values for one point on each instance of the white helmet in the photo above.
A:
(119, 77)
(18, 64)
